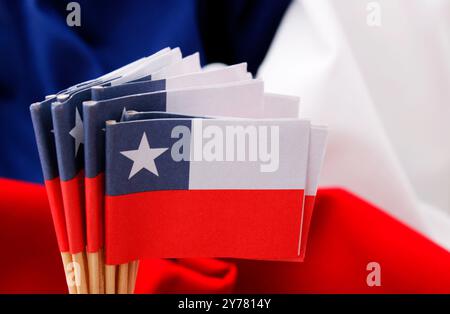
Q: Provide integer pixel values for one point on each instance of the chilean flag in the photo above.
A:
(388, 141)
(278, 106)
(68, 131)
(43, 129)
(170, 193)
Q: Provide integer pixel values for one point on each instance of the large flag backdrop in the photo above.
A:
(384, 97)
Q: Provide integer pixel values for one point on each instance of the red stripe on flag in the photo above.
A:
(94, 188)
(262, 224)
(73, 199)
(54, 195)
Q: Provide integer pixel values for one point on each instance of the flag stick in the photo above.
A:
(110, 279)
(101, 271)
(81, 276)
(132, 272)
(122, 281)
(67, 259)
(94, 272)
(136, 270)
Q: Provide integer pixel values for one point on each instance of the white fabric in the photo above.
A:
(383, 90)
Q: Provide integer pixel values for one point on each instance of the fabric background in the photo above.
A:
(346, 234)
(384, 93)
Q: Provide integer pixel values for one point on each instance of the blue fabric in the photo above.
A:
(40, 54)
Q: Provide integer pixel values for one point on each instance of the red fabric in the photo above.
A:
(346, 234)
(30, 260)
(203, 223)
(199, 275)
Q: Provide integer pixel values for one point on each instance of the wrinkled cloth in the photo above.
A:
(346, 235)
(384, 93)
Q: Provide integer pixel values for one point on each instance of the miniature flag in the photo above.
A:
(283, 107)
(195, 188)
(43, 127)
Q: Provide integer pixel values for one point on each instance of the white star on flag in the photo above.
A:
(78, 131)
(143, 157)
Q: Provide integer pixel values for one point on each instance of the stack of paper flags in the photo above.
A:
(161, 159)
